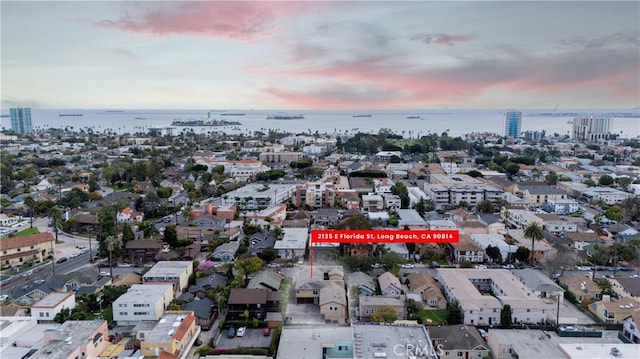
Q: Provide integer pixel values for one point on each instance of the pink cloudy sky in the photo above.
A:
(320, 54)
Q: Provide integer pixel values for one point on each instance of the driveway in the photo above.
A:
(253, 338)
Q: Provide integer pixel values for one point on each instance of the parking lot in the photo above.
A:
(253, 338)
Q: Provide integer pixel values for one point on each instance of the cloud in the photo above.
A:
(397, 82)
(440, 39)
(233, 20)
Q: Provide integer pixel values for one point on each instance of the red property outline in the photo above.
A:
(380, 236)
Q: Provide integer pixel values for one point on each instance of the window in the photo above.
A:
(123, 313)
(459, 354)
(122, 305)
(41, 315)
(528, 310)
(19, 249)
(47, 314)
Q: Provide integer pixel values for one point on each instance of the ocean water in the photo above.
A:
(454, 122)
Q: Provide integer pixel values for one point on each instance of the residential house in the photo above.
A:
(176, 273)
(368, 305)
(581, 240)
(130, 215)
(493, 222)
(256, 301)
(429, 290)
(335, 273)
(326, 217)
(31, 297)
(205, 284)
(410, 218)
(389, 284)
(261, 241)
(631, 327)
(363, 282)
(46, 309)
(74, 339)
(172, 335)
(466, 250)
(142, 302)
(86, 223)
(391, 201)
(626, 287)
(142, 250)
(540, 284)
(349, 199)
(613, 312)
(494, 240)
(17, 251)
(65, 282)
(210, 221)
(226, 252)
(333, 302)
(308, 292)
(582, 287)
(372, 203)
(204, 310)
(266, 279)
(561, 206)
(293, 244)
(540, 194)
(468, 285)
(458, 341)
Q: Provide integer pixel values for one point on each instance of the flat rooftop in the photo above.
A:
(53, 299)
(599, 351)
(168, 268)
(143, 292)
(375, 340)
(166, 328)
(527, 343)
(72, 334)
(297, 342)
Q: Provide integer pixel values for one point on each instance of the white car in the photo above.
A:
(480, 266)
(3, 297)
(408, 266)
(241, 331)
(376, 265)
(104, 274)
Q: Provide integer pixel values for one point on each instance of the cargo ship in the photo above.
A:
(200, 122)
(285, 117)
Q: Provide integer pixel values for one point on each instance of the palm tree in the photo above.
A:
(31, 203)
(56, 215)
(534, 231)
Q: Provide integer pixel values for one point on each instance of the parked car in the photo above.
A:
(483, 333)
(273, 265)
(38, 281)
(197, 342)
(266, 332)
(27, 273)
(241, 331)
(434, 265)
(408, 266)
(231, 332)
(376, 265)
(63, 259)
(124, 265)
(3, 297)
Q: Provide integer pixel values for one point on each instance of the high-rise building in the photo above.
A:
(591, 128)
(512, 123)
(21, 120)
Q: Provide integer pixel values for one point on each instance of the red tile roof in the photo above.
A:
(25, 241)
(184, 327)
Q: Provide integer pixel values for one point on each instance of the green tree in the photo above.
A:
(456, 315)
(590, 183)
(551, 178)
(623, 182)
(56, 217)
(506, 322)
(399, 189)
(605, 180)
(127, 233)
(494, 253)
(245, 315)
(171, 235)
(485, 206)
(249, 266)
(534, 232)
(31, 203)
(386, 315)
(604, 285)
(522, 253)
